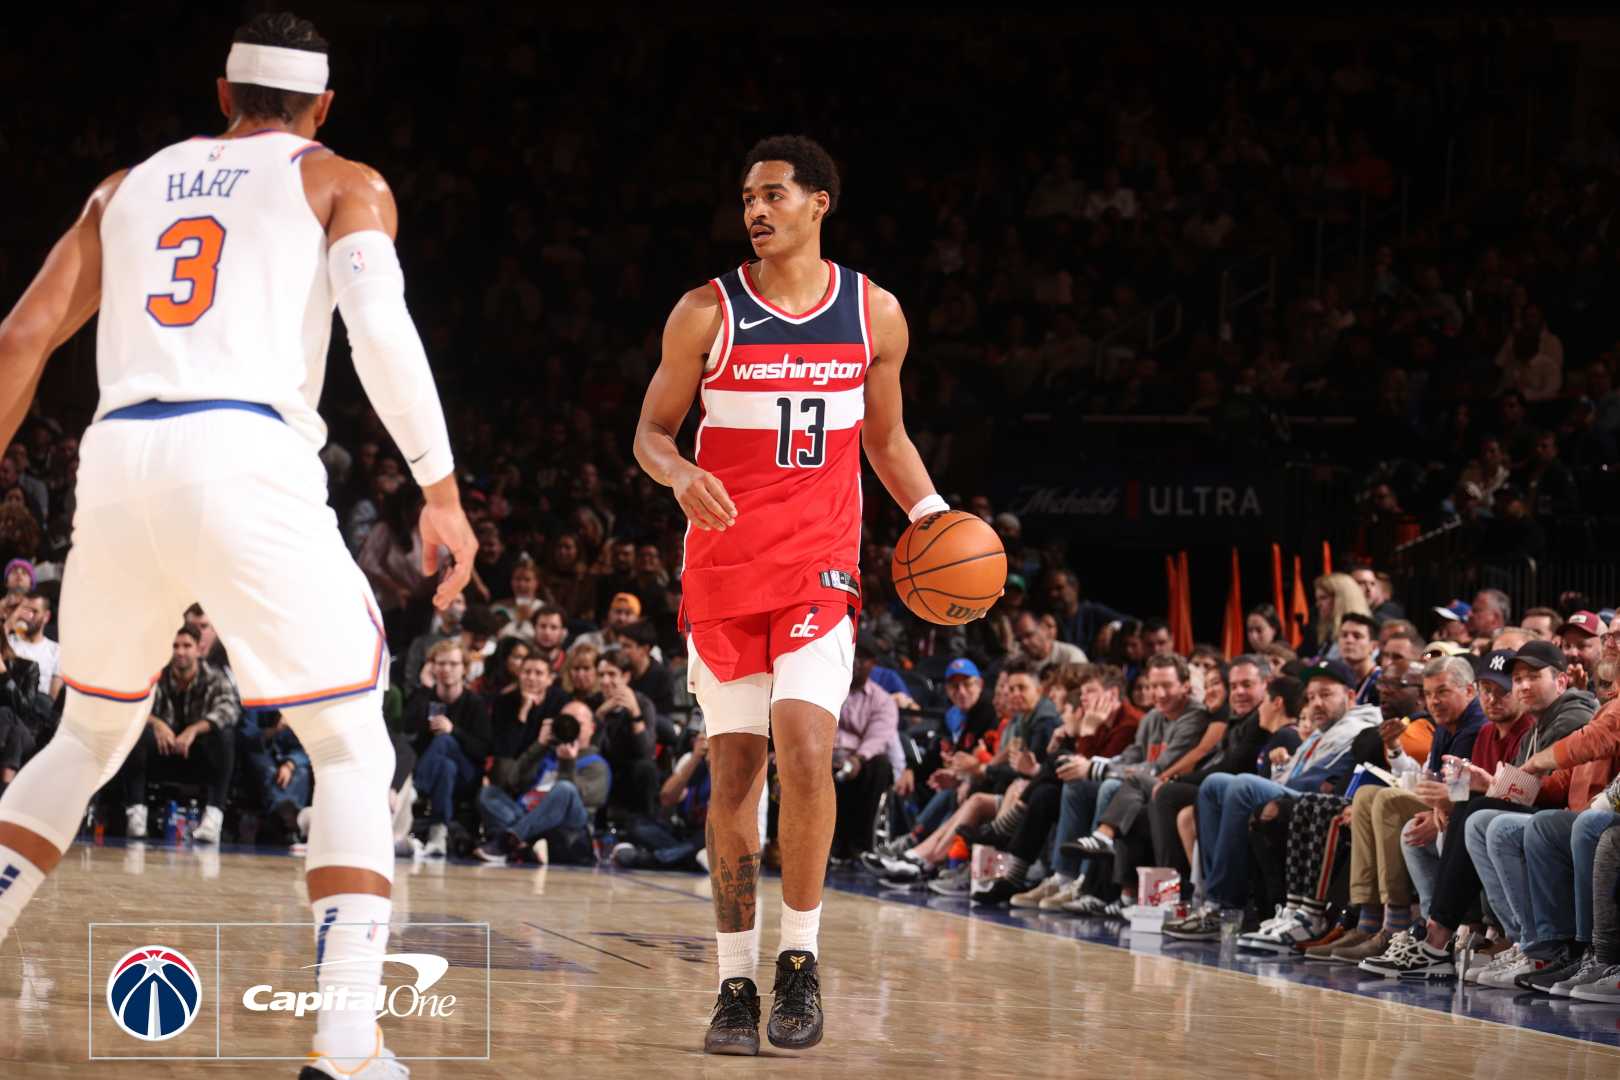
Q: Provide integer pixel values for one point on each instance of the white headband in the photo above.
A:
(298, 70)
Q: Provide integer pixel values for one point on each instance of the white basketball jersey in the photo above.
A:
(213, 281)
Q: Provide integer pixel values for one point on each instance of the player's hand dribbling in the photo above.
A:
(703, 499)
(444, 524)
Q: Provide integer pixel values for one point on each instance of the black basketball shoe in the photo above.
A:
(795, 1022)
(734, 1027)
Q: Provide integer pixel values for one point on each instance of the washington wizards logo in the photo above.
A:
(154, 993)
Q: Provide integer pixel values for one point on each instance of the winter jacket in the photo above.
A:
(1327, 758)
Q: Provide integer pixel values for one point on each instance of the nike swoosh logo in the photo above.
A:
(419, 457)
(744, 324)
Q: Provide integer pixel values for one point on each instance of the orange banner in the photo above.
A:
(1299, 611)
(1232, 625)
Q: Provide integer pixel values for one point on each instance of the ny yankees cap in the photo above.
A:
(1497, 669)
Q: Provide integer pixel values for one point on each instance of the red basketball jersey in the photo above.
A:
(783, 400)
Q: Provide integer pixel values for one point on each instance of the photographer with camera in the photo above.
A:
(545, 804)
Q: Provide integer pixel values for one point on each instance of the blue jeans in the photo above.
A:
(1423, 867)
(441, 772)
(1561, 847)
(1225, 804)
(297, 790)
(668, 850)
(940, 807)
(1495, 841)
(562, 808)
(1083, 803)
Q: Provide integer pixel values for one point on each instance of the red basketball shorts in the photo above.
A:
(739, 667)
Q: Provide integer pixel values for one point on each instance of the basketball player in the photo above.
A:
(798, 361)
(215, 265)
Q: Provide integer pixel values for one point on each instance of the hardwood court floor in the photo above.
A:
(597, 973)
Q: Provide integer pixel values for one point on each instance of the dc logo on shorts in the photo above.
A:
(154, 993)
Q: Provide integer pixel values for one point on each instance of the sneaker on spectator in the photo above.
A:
(1095, 846)
(895, 847)
(541, 850)
(135, 821)
(1366, 947)
(905, 869)
(1605, 988)
(624, 854)
(438, 841)
(1062, 898)
(1503, 959)
(1349, 939)
(958, 882)
(1334, 935)
(305, 816)
(1409, 958)
(493, 852)
(1559, 964)
(1289, 927)
(1506, 976)
(1115, 909)
(1031, 898)
(997, 892)
(1591, 970)
(208, 830)
(1202, 925)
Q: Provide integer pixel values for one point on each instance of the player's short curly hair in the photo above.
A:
(813, 167)
(284, 30)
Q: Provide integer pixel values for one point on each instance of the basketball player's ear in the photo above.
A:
(226, 105)
(818, 205)
(323, 107)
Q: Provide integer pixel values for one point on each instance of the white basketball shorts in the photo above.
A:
(226, 508)
(819, 673)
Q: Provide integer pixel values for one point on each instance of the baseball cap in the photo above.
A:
(629, 600)
(1016, 581)
(1541, 654)
(1456, 611)
(1588, 621)
(1496, 668)
(1330, 669)
(962, 667)
(1436, 649)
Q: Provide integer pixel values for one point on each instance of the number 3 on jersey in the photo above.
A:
(816, 455)
(195, 266)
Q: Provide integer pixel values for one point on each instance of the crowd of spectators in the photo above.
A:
(544, 715)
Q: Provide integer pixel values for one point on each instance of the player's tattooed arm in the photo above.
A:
(734, 887)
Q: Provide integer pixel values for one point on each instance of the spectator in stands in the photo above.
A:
(1490, 612)
(1037, 637)
(550, 631)
(1261, 627)
(638, 641)
(543, 805)
(620, 576)
(628, 727)
(949, 747)
(567, 578)
(1532, 358)
(516, 719)
(1356, 651)
(867, 727)
(623, 610)
(1582, 638)
(501, 673)
(1337, 595)
(1077, 620)
(674, 840)
(448, 726)
(579, 674)
(28, 640)
(445, 624)
(480, 627)
(190, 737)
(1378, 587)
(1541, 622)
(19, 694)
(1343, 736)
(1547, 482)
(519, 608)
(20, 578)
(1453, 623)
(277, 761)
(1157, 639)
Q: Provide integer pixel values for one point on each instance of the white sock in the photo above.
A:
(18, 880)
(800, 929)
(739, 954)
(350, 927)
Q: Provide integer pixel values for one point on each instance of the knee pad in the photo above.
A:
(352, 757)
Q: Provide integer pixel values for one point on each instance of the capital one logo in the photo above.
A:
(405, 1000)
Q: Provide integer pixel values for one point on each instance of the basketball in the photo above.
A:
(949, 567)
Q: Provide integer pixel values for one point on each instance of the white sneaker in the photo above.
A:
(702, 858)
(1065, 895)
(1291, 926)
(1503, 978)
(305, 816)
(1032, 898)
(542, 851)
(438, 841)
(135, 821)
(382, 1067)
(208, 830)
(1605, 988)
(1509, 955)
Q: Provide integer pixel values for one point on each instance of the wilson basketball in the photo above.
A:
(949, 567)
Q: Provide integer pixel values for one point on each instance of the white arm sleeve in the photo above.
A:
(369, 288)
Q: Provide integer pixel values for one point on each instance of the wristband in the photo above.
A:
(933, 504)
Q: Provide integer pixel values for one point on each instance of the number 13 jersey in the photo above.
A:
(214, 280)
(783, 399)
